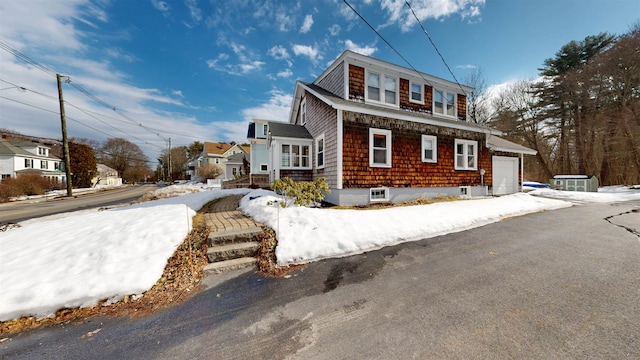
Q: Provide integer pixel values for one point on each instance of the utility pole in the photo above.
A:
(170, 160)
(65, 142)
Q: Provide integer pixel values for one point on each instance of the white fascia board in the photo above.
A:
(525, 152)
(287, 140)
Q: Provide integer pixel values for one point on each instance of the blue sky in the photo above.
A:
(202, 69)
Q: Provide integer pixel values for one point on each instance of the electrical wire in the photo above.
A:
(4, 46)
(387, 42)
(433, 44)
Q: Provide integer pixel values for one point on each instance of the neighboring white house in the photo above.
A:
(19, 156)
(106, 176)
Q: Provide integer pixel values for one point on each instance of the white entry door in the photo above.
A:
(505, 175)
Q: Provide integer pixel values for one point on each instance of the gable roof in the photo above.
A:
(339, 103)
(13, 148)
(286, 130)
(500, 144)
(236, 158)
(216, 148)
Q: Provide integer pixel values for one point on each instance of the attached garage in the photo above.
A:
(504, 175)
(506, 170)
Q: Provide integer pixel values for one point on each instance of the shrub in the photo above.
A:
(301, 193)
(27, 184)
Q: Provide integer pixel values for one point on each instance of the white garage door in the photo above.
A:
(505, 175)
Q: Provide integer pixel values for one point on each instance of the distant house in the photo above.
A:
(19, 156)
(382, 132)
(218, 154)
(106, 176)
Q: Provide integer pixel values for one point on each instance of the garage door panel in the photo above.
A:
(504, 175)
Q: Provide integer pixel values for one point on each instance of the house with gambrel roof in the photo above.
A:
(382, 132)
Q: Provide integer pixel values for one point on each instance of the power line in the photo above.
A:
(25, 58)
(388, 43)
(82, 110)
(433, 44)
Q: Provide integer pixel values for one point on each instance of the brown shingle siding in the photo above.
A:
(407, 169)
(356, 83)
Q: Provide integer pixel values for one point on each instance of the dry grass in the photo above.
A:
(385, 205)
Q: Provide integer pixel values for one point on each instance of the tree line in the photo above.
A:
(582, 114)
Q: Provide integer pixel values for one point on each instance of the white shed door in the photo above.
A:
(505, 175)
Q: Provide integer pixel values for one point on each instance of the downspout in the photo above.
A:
(521, 170)
(339, 136)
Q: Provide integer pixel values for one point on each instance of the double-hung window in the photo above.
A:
(294, 156)
(28, 163)
(382, 88)
(320, 152)
(466, 154)
(43, 164)
(417, 93)
(265, 130)
(429, 148)
(379, 148)
(444, 102)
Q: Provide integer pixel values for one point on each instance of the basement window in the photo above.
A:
(379, 194)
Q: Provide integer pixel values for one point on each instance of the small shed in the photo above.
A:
(575, 183)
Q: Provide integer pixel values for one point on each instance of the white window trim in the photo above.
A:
(387, 133)
(434, 142)
(465, 154)
(444, 103)
(421, 101)
(324, 151)
(266, 167)
(386, 194)
(381, 89)
(291, 144)
(265, 130)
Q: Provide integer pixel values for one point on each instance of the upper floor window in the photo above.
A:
(379, 148)
(444, 102)
(417, 93)
(382, 88)
(43, 164)
(466, 154)
(265, 130)
(28, 163)
(429, 148)
(42, 151)
(320, 152)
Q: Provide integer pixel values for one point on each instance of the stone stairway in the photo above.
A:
(233, 240)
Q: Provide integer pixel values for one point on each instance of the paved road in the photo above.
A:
(551, 285)
(24, 210)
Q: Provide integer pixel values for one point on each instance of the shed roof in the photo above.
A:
(500, 144)
(281, 129)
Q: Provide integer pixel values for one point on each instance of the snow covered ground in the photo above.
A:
(82, 258)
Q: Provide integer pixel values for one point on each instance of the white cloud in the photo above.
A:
(278, 52)
(161, 5)
(399, 13)
(247, 61)
(285, 73)
(306, 50)
(466, 67)
(364, 50)
(306, 25)
(284, 21)
(194, 10)
(334, 29)
(276, 108)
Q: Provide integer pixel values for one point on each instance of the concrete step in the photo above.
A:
(232, 251)
(233, 236)
(227, 265)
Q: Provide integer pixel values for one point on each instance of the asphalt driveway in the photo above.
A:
(551, 285)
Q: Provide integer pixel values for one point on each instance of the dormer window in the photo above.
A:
(382, 88)
(417, 93)
(444, 103)
(265, 129)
